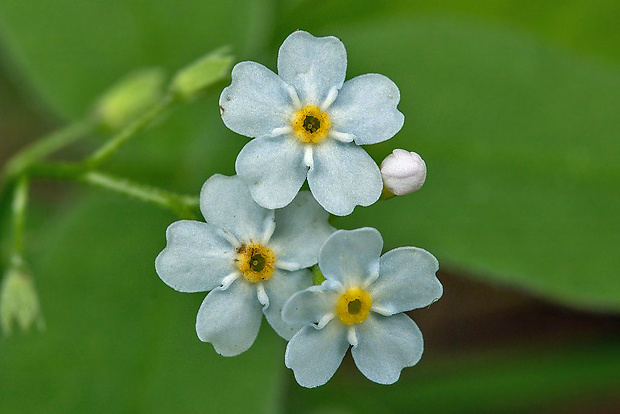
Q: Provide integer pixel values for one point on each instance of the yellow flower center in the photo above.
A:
(311, 124)
(255, 262)
(353, 306)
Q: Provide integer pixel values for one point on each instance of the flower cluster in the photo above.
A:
(262, 234)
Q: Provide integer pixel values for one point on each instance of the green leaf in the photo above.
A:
(70, 52)
(585, 26)
(535, 380)
(118, 339)
(521, 144)
(520, 138)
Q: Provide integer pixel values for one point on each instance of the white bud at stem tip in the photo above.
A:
(403, 172)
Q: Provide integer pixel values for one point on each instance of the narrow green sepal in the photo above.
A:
(386, 194)
(317, 275)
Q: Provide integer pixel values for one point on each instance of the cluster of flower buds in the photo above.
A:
(262, 235)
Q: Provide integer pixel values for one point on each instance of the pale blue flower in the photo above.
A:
(251, 259)
(361, 303)
(309, 123)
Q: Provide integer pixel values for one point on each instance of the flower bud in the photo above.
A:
(403, 172)
(19, 302)
(130, 97)
(192, 81)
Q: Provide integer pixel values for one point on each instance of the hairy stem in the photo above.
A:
(186, 207)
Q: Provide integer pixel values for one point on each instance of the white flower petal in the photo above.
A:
(366, 108)
(312, 65)
(230, 318)
(351, 257)
(311, 305)
(262, 295)
(301, 230)
(256, 102)
(343, 176)
(386, 345)
(226, 203)
(314, 355)
(351, 335)
(406, 281)
(197, 257)
(273, 168)
(279, 288)
(341, 136)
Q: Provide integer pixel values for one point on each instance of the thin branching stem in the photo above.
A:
(186, 207)
(47, 146)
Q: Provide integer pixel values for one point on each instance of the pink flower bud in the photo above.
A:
(403, 172)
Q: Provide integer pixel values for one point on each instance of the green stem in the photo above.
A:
(38, 151)
(18, 213)
(183, 206)
(121, 138)
(186, 207)
(47, 146)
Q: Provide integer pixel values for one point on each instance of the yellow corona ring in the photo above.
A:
(255, 262)
(353, 306)
(310, 124)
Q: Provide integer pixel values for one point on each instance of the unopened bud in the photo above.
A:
(403, 172)
(193, 80)
(19, 303)
(130, 97)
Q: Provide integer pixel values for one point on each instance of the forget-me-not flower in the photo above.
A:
(251, 259)
(361, 303)
(309, 123)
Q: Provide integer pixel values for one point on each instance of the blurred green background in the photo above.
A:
(514, 105)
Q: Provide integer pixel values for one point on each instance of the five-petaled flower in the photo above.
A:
(309, 123)
(251, 259)
(361, 303)
(262, 233)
